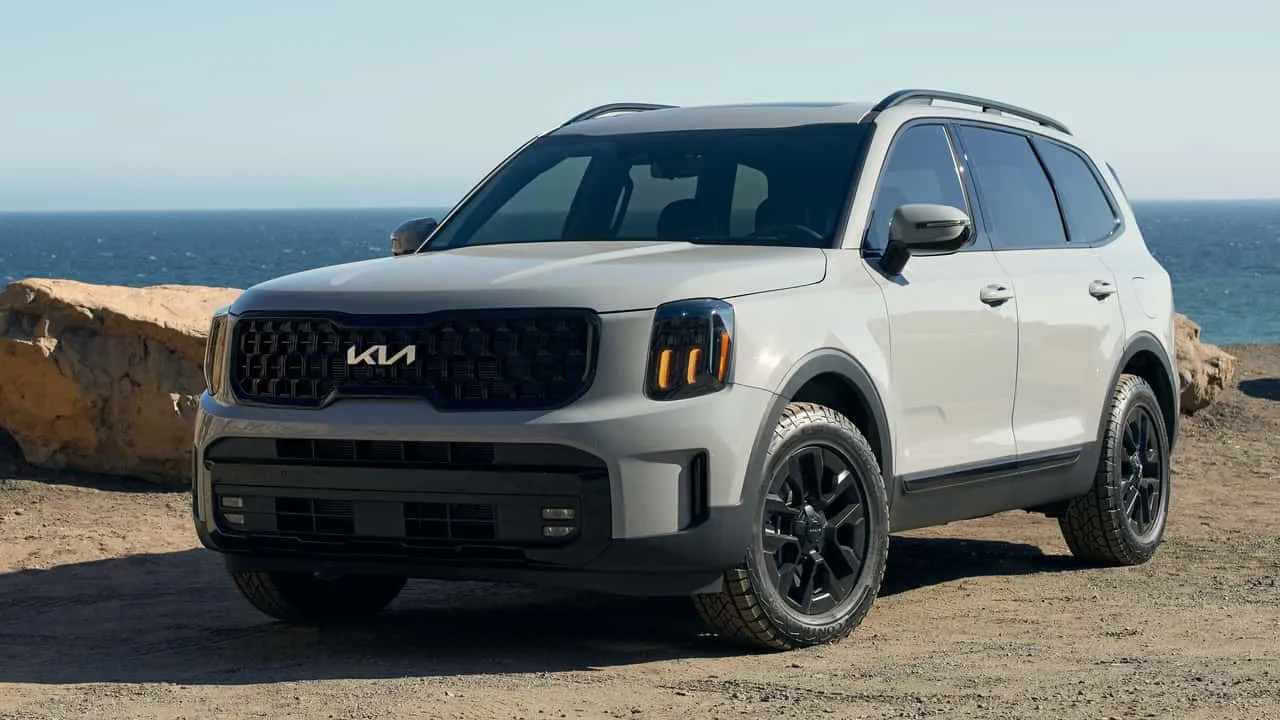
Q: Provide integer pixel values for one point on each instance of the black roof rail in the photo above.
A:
(600, 110)
(902, 97)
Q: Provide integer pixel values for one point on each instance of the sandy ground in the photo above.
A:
(108, 609)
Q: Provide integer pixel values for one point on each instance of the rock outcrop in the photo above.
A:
(104, 379)
(1204, 370)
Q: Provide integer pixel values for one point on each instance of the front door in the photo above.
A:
(953, 327)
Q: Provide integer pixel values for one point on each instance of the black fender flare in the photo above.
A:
(811, 365)
(1146, 342)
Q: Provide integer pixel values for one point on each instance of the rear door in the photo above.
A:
(1070, 329)
(952, 327)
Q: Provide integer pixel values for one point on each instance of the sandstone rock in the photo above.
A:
(1204, 370)
(104, 379)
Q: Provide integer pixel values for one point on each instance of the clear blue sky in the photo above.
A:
(277, 103)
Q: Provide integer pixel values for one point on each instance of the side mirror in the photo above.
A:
(925, 229)
(410, 235)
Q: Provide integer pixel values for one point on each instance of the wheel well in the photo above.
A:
(840, 394)
(1147, 366)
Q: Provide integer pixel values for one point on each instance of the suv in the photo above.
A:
(719, 351)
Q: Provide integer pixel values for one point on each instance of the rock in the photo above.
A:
(1204, 370)
(104, 379)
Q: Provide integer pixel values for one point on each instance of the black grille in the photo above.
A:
(449, 521)
(386, 452)
(490, 360)
(315, 517)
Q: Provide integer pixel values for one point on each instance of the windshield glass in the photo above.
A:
(770, 186)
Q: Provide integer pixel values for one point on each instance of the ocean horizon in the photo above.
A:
(1223, 255)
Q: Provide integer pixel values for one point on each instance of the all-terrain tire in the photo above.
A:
(305, 599)
(1097, 525)
(750, 610)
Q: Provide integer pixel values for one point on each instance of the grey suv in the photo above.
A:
(711, 351)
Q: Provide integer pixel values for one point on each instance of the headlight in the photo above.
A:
(691, 349)
(215, 351)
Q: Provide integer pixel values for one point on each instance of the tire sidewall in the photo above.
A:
(844, 438)
(1140, 395)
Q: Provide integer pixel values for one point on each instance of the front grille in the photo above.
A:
(386, 452)
(449, 521)
(480, 360)
(315, 517)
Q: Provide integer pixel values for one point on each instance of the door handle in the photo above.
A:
(1101, 289)
(995, 294)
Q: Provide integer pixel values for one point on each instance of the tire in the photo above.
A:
(1121, 520)
(305, 599)
(852, 544)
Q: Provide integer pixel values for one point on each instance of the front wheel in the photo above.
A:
(820, 540)
(1121, 520)
(308, 599)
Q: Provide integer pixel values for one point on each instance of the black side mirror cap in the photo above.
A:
(924, 229)
(410, 235)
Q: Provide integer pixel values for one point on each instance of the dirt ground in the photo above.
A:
(109, 609)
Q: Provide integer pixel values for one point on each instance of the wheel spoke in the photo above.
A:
(775, 505)
(808, 581)
(844, 480)
(1144, 434)
(843, 517)
(850, 557)
(775, 541)
(1130, 439)
(1131, 494)
(811, 477)
(787, 578)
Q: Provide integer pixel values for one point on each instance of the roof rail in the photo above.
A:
(611, 108)
(902, 97)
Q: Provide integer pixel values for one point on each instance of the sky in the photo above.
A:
(233, 104)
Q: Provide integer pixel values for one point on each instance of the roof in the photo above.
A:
(620, 118)
(718, 117)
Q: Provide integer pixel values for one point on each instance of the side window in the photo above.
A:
(538, 211)
(750, 188)
(1017, 199)
(1088, 212)
(649, 195)
(920, 169)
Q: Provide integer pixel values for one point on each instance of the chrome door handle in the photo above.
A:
(995, 294)
(1101, 289)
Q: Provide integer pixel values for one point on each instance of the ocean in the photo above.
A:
(1224, 256)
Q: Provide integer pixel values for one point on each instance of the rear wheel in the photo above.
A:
(1121, 520)
(820, 542)
(307, 599)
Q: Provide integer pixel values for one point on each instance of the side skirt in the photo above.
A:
(971, 491)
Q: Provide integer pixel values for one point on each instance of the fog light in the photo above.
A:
(232, 502)
(554, 513)
(234, 518)
(557, 531)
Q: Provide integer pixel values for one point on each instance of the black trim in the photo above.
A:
(1033, 482)
(820, 362)
(1118, 227)
(902, 97)
(990, 470)
(1146, 342)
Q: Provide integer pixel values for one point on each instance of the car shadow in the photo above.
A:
(174, 617)
(1261, 388)
(916, 562)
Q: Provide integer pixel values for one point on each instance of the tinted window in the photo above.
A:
(1017, 200)
(920, 169)
(1089, 215)
(761, 186)
(540, 207)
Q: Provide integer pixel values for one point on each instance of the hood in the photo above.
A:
(603, 276)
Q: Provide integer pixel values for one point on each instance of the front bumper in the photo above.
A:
(383, 486)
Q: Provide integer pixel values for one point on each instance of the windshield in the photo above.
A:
(770, 186)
